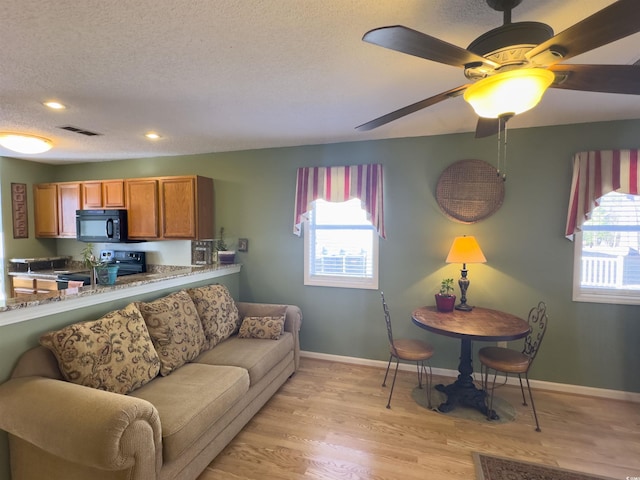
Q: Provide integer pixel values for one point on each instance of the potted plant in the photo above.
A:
(225, 256)
(445, 299)
(101, 272)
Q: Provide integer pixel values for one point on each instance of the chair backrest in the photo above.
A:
(538, 321)
(387, 319)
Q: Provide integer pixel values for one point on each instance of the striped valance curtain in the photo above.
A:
(595, 174)
(339, 184)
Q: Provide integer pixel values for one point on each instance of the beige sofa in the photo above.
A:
(171, 425)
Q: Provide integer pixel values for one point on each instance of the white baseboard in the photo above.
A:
(555, 387)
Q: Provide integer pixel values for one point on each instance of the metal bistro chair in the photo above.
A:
(409, 350)
(507, 360)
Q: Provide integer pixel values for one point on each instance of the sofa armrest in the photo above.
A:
(110, 431)
(292, 319)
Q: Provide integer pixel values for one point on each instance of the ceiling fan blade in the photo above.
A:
(488, 126)
(598, 78)
(390, 117)
(618, 20)
(412, 42)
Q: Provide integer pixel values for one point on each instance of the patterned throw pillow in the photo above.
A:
(261, 327)
(217, 310)
(175, 329)
(113, 353)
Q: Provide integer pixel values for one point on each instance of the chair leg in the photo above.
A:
(524, 400)
(419, 368)
(384, 382)
(394, 382)
(533, 406)
(493, 389)
(429, 383)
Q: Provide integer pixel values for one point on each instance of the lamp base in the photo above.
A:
(464, 307)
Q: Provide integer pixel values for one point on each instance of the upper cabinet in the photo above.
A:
(45, 199)
(55, 209)
(170, 208)
(158, 208)
(142, 208)
(103, 194)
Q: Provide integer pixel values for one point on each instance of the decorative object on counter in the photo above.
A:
(465, 250)
(469, 191)
(243, 245)
(101, 272)
(225, 257)
(202, 252)
(19, 210)
(445, 300)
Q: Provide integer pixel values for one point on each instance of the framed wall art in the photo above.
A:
(19, 210)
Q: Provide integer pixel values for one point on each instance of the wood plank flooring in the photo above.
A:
(329, 421)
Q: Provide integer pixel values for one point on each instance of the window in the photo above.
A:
(607, 252)
(340, 246)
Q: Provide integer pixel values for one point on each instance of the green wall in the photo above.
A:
(528, 258)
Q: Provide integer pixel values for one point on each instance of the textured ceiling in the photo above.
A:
(223, 75)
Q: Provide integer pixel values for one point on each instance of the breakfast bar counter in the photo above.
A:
(19, 309)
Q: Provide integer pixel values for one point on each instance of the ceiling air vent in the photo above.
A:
(81, 131)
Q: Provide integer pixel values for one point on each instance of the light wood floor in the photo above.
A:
(329, 421)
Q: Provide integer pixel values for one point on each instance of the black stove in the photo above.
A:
(129, 263)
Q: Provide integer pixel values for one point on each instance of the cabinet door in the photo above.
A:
(91, 195)
(68, 203)
(21, 286)
(178, 207)
(113, 193)
(45, 209)
(142, 210)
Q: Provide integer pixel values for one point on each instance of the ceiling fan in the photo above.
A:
(519, 54)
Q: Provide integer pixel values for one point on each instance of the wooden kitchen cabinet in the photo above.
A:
(45, 209)
(22, 286)
(68, 203)
(142, 208)
(55, 206)
(103, 194)
(186, 207)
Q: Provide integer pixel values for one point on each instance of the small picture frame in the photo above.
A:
(243, 245)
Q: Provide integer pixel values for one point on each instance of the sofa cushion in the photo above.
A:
(261, 327)
(175, 329)
(217, 310)
(255, 355)
(191, 400)
(113, 353)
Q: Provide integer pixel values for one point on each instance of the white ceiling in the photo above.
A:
(224, 75)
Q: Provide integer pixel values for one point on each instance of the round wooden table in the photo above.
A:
(480, 324)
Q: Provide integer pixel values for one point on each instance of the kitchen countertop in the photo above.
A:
(20, 307)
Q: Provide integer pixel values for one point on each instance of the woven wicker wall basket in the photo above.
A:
(469, 191)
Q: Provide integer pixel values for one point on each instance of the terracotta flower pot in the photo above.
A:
(445, 303)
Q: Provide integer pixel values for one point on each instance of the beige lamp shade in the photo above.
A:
(465, 249)
(508, 93)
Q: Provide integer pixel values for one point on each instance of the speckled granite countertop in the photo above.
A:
(124, 282)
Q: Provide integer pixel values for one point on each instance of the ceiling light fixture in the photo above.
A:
(152, 136)
(55, 105)
(24, 143)
(508, 93)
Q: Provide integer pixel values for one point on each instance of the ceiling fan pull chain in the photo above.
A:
(499, 148)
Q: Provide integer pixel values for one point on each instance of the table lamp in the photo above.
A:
(465, 250)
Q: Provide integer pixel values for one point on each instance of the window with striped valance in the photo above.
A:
(595, 174)
(339, 184)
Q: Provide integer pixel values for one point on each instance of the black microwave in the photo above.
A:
(101, 226)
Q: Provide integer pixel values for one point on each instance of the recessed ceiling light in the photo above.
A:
(24, 143)
(55, 105)
(152, 136)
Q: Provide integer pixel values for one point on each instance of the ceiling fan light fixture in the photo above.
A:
(24, 143)
(511, 92)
